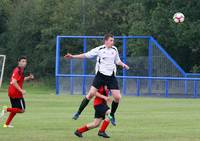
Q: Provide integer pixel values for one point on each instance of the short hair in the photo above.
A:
(22, 57)
(107, 36)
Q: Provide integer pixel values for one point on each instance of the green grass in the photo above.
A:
(48, 118)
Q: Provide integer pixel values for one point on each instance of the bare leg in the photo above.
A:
(95, 123)
(87, 127)
(85, 102)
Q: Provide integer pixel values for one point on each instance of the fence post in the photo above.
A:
(57, 64)
(166, 88)
(138, 87)
(150, 53)
(195, 88)
(84, 66)
(71, 78)
(124, 60)
(185, 87)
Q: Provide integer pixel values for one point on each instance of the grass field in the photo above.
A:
(48, 118)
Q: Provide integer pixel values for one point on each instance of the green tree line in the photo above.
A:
(30, 27)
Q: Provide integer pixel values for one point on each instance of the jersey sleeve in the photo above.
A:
(16, 75)
(117, 58)
(92, 53)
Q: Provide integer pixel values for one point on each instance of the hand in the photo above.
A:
(108, 100)
(68, 56)
(23, 92)
(126, 66)
(31, 76)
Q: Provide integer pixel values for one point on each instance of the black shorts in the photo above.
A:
(18, 103)
(100, 111)
(101, 79)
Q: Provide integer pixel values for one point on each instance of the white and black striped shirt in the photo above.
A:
(107, 58)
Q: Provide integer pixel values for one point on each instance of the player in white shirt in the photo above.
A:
(107, 59)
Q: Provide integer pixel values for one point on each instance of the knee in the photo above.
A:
(96, 124)
(90, 95)
(22, 111)
(117, 98)
(116, 95)
(108, 112)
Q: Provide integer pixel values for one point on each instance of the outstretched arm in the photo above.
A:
(78, 56)
(90, 54)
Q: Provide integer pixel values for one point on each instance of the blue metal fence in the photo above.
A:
(164, 78)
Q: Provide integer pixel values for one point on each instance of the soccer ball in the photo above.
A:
(178, 17)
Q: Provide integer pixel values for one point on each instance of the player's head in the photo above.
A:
(109, 40)
(22, 61)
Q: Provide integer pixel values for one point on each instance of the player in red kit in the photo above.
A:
(101, 111)
(16, 92)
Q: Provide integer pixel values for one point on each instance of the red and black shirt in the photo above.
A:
(98, 100)
(18, 74)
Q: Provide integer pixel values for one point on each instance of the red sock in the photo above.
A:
(14, 110)
(11, 116)
(104, 125)
(83, 129)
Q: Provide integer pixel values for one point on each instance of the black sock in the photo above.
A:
(84, 103)
(114, 108)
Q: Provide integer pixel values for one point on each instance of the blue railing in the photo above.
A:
(139, 78)
(193, 75)
(124, 76)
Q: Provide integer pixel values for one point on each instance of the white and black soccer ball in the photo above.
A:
(179, 17)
